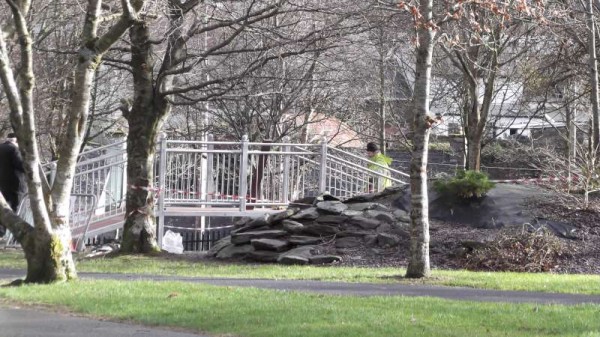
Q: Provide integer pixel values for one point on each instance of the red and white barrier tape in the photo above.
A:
(538, 180)
(213, 194)
(145, 188)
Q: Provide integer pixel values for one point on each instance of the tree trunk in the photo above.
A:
(46, 245)
(474, 152)
(47, 242)
(418, 265)
(382, 116)
(48, 257)
(473, 110)
(139, 234)
(593, 63)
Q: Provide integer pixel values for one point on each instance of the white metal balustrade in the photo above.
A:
(214, 178)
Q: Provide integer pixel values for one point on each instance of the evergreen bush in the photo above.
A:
(466, 184)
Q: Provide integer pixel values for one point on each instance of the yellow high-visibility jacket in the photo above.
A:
(379, 182)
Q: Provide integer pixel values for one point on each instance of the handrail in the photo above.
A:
(281, 152)
(103, 147)
(98, 168)
(200, 142)
(370, 162)
(371, 171)
(97, 159)
(181, 150)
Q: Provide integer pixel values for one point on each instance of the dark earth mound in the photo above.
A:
(506, 208)
(502, 206)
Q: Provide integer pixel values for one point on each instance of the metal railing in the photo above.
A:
(244, 174)
(216, 174)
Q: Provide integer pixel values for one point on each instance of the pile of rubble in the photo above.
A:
(295, 236)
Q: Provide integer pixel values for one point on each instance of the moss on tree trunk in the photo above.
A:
(48, 257)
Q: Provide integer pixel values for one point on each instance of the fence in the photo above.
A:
(244, 174)
(196, 240)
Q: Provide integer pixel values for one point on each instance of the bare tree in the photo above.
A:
(47, 242)
(418, 265)
(481, 44)
(184, 74)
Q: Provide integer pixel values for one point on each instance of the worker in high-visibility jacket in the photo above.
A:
(378, 182)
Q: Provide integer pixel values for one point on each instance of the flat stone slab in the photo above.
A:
(246, 237)
(298, 255)
(306, 214)
(234, 251)
(224, 242)
(325, 197)
(332, 219)
(292, 226)
(263, 256)
(269, 244)
(302, 240)
(360, 206)
(380, 215)
(335, 207)
(401, 215)
(365, 223)
(352, 213)
(280, 216)
(260, 221)
(320, 230)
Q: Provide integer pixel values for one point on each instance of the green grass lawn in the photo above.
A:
(575, 284)
(263, 313)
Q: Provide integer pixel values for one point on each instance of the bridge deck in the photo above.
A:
(107, 224)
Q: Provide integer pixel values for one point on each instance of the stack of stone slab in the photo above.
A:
(295, 236)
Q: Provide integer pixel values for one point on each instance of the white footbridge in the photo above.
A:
(215, 178)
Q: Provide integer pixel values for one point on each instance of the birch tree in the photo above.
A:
(47, 241)
(418, 265)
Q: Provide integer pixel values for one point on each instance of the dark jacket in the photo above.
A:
(12, 174)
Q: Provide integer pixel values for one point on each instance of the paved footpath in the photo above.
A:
(357, 289)
(19, 322)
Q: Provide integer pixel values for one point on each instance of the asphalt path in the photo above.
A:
(27, 322)
(33, 322)
(356, 289)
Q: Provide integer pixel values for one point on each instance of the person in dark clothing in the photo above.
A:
(12, 174)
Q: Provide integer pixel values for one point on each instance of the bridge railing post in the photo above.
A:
(285, 178)
(210, 185)
(323, 171)
(162, 171)
(243, 173)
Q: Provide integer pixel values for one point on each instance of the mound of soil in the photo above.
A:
(507, 207)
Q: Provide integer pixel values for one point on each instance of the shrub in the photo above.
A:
(466, 185)
(536, 251)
